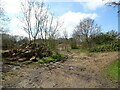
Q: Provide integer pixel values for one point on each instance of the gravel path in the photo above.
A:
(80, 70)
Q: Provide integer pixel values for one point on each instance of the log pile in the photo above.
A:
(27, 53)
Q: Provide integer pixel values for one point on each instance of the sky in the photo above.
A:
(70, 11)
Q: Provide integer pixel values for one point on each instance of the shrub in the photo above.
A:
(73, 46)
(105, 47)
(106, 42)
(58, 57)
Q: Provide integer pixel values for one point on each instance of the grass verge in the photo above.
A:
(113, 70)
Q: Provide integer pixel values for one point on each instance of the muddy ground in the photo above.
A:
(80, 70)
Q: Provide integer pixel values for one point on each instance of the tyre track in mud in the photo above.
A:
(80, 70)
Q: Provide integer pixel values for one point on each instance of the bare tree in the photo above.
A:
(87, 28)
(34, 17)
(38, 22)
(65, 35)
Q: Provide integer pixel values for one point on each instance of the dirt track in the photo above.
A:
(80, 70)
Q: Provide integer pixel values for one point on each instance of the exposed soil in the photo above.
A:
(80, 70)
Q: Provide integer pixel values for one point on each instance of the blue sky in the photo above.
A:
(107, 16)
(71, 13)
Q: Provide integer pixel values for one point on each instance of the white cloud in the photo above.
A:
(15, 22)
(71, 19)
(93, 4)
(87, 4)
(16, 28)
(18, 32)
(12, 6)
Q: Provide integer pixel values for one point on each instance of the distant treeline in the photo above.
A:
(109, 41)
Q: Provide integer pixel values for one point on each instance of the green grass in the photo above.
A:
(46, 60)
(52, 58)
(112, 70)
